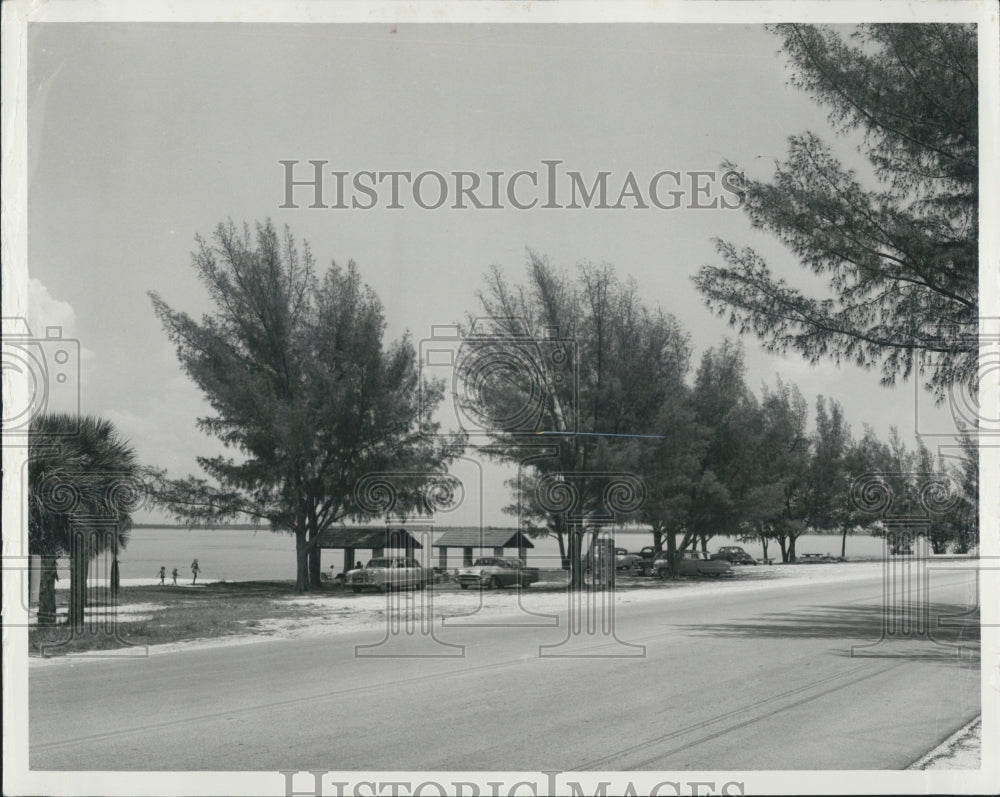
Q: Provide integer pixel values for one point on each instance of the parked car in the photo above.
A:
(735, 555)
(389, 572)
(648, 556)
(693, 563)
(653, 561)
(627, 561)
(496, 572)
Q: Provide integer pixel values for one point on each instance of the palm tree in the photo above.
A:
(50, 460)
(83, 484)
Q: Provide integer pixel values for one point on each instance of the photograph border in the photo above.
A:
(18, 779)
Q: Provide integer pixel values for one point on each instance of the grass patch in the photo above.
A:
(182, 613)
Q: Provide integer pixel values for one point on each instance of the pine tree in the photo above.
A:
(898, 251)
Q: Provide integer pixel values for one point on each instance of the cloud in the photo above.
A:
(44, 311)
(67, 367)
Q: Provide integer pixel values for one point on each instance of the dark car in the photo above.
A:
(647, 557)
(692, 563)
(627, 561)
(734, 555)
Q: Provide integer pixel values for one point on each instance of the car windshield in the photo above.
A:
(380, 563)
(483, 563)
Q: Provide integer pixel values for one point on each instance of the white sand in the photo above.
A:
(340, 613)
(962, 750)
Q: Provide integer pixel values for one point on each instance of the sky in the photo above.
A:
(142, 136)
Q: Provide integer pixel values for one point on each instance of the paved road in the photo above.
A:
(747, 680)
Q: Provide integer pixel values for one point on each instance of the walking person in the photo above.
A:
(163, 575)
(174, 574)
(195, 570)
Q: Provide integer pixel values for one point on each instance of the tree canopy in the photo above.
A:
(899, 251)
(84, 482)
(590, 372)
(294, 367)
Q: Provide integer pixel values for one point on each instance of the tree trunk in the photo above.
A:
(591, 542)
(791, 548)
(671, 554)
(657, 540)
(77, 585)
(843, 543)
(315, 567)
(301, 561)
(315, 553)
(784, 551)
(47, 591)
(563, 558)
(576, 580)
(116, 582)
(763, 543)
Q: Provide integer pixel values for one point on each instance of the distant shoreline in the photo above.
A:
(218, 526)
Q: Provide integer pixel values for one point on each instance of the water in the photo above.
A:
(222, 554)
(247, 555)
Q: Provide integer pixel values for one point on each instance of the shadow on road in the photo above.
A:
(951, 627)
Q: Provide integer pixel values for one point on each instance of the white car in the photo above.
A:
(389, 572)
(496, 572)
